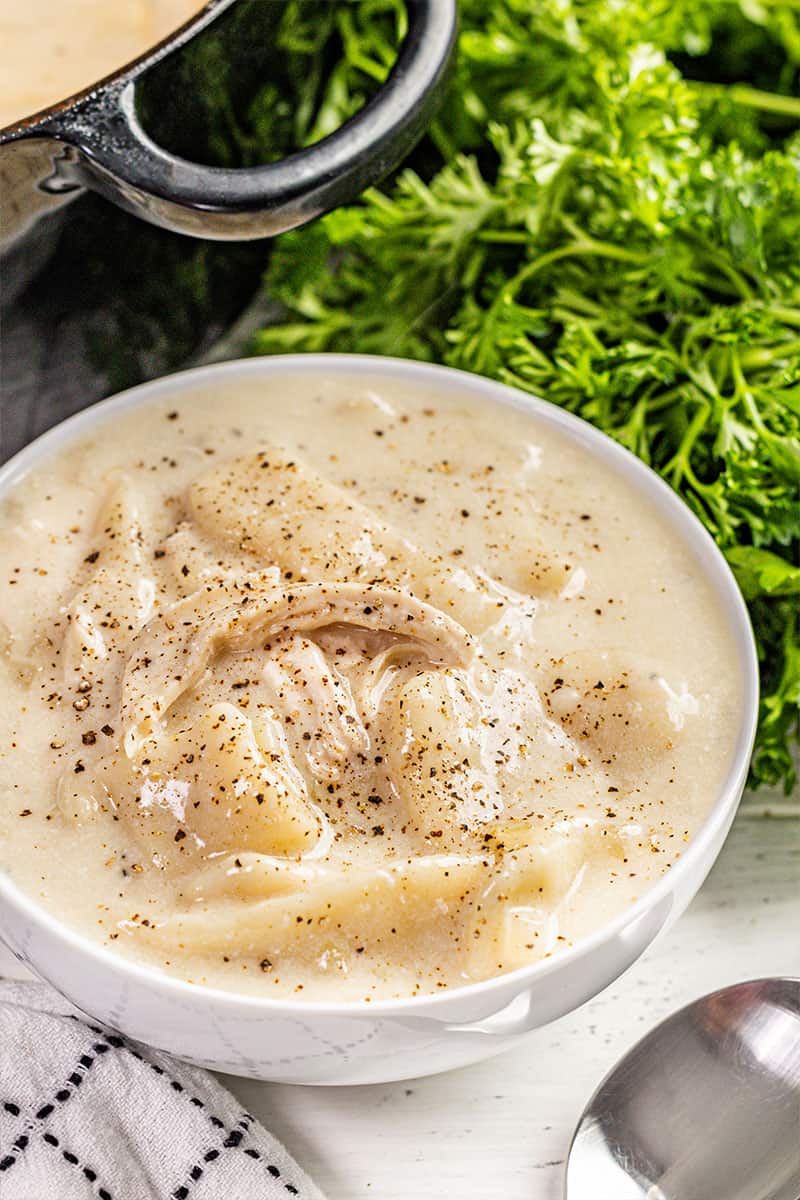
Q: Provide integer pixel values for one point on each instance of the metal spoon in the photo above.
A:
(705, 1107)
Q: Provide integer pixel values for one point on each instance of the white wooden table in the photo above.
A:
(501, 1130)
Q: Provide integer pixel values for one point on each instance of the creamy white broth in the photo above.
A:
(343, 689)
(54, 48)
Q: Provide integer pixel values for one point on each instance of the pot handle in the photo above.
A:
(112, 154)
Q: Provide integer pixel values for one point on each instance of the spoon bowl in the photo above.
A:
(705, 1107)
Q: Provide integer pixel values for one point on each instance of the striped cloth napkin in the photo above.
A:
(84, 1113)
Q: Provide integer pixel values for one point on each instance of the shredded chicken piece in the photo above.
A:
(119, 590)
(174, 649)
(326, 723)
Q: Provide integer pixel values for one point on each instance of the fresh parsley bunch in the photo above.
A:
(606, 213)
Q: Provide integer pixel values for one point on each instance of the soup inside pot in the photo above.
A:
(54, 48)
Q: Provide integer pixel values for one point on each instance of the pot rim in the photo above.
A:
(707, 555)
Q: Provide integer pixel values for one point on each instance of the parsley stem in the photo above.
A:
(442, 140)
(762, 356)
(789, 316)
(571, 250)
(515, 236)
(680, 465)
(721, 261)
(750, 97)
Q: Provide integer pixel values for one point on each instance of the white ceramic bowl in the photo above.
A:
(359, 1042)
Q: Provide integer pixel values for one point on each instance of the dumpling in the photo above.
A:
(249, 875)
(215, 787)
(544, 868)
(435, 745)
(384, 913)
(537, 878)
(191, 563)
(467, 746)
(283, 512)
(624, 715)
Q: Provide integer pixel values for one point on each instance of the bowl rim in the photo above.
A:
(709, 558)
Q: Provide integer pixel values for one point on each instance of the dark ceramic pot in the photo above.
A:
(96, 140)
(95, 295)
